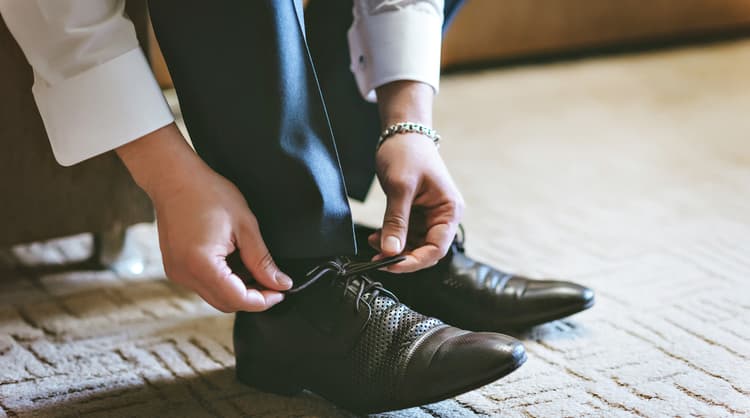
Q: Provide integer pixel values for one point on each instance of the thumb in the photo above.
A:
(395, 223)
(256, 257)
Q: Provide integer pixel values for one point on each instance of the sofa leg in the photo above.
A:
(115, 250)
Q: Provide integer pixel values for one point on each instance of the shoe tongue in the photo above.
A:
(353, 284)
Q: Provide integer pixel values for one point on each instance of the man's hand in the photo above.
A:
(424, 206)
(202, 218)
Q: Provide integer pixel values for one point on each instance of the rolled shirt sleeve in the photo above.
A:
(393, 40)
(92, 84)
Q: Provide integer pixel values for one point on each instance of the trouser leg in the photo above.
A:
(355, 122)
(251, 102)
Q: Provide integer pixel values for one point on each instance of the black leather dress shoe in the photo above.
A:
(347, 339)
(473, 295)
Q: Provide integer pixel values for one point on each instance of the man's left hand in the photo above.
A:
(424, 206)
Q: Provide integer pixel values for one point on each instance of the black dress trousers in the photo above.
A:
(252, 103)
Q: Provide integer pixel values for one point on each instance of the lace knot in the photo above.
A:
(348, 270)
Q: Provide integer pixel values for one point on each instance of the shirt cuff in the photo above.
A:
(399, 45)
(101, 108)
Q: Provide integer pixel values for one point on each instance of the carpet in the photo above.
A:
(629, 173)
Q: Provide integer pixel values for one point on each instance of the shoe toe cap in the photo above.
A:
(483, 353)
(587, 296)
(453, 361)
(559, 294)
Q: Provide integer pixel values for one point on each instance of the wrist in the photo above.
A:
(404, 100)
(402, 128)
(160, 161)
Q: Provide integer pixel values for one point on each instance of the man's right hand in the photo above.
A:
(202, 218)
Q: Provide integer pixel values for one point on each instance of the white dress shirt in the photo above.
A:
(95, 90)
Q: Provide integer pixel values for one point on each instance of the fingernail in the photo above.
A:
(283, 280)
(274, 298)
(392, 243)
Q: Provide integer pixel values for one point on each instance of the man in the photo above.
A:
(262, 215)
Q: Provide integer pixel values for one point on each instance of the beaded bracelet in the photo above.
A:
(413, 127)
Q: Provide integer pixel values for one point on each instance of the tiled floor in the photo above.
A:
(630, 174)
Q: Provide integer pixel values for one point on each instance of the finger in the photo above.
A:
(396, 221)
(436, 245)
(257, 258)
(374, 240)
(217, 285)
(234, 295)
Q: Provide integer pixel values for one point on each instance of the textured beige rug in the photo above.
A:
(630, 174)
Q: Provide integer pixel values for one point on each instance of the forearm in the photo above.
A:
(405, 100)
(160, 161)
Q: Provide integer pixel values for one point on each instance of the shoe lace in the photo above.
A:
(348, 271)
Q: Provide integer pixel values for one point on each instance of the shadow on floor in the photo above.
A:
(216, 393)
